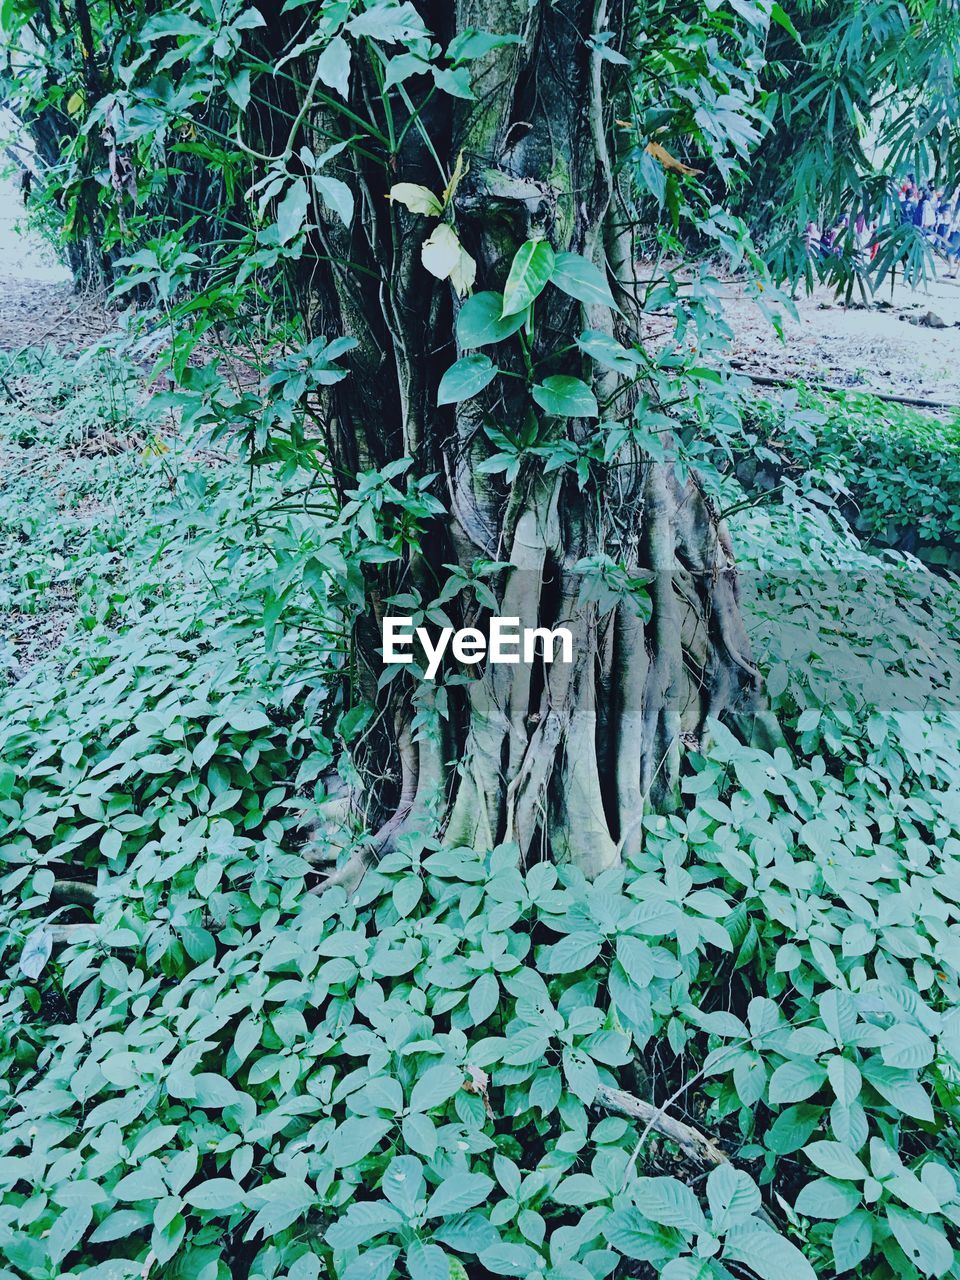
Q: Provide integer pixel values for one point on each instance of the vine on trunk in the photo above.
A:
(527, 399)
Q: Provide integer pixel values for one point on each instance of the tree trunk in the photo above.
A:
(566, 759)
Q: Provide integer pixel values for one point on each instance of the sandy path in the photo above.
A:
(37, 300)
(876, 349)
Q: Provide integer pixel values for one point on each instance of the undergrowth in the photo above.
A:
(894, 471)
(225, 1075)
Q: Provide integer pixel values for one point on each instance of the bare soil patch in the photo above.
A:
(896, 346)
(34, 313)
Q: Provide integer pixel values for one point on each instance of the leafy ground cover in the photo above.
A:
(226, 1075)
(894, 471)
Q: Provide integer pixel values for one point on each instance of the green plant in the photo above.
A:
(236, 1076)
(404, 368)
(893, 471)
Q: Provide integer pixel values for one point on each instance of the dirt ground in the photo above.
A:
(36, 312)
(882, 348)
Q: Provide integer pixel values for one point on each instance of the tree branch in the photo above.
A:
(691, 1141)
(76, 892)
(772, 380)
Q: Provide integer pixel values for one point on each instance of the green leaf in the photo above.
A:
(111, 842)
(247, 1037)
(796, 1081)
(458, 1193)
(688, 1269)
(579, 278)
(836, 1160)
(215, 1193)
(67, 1231)
(292, 211)
(900, 1089)
(238, 88)
(363, 1220)
(181, 1168)
(526, 1045)
(336, 195)
(545, 1090)
(924, 1244)
(845, 1079)
(403, 1183)
(479, 322)
(389, 22)
(579, 1189)
(355, 1138)
(733, 1197)
(852, 1240)
(609, 353)
(471, 44)
(906, 1047)
(374, 1264)
(37, 950)
(466, 378)
(280, 1202)
(307, 1267)
(426, 1262)
(767, 1254)
(566, 397)
(637, 959)
(575, 951)
(653, 176)
(792, 1128)
(630, 1233)
(483, 998)
(333, 66)
(780, 16)
(163, 25)
(435, 1086)
(849, 1124)
(511, 1260)
(212, 1090)
(827, 1198)
(581, 1075)
(120, 1224)
(453, 80)
(529, 274)
(145, 1183)
(669, 1202)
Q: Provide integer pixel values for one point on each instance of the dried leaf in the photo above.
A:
(667, 160)
(460, 171)
(464, 274)
(416, 198)
(441, 251)
(478, 1082)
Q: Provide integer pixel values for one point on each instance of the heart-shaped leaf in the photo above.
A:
(466, 378)
(529, 275)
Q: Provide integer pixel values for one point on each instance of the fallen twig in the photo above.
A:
(772, 380)
(76, 892)
(691, 1141)
(61, 934)
(694, 1144)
